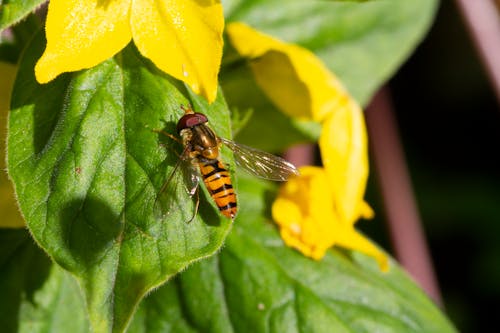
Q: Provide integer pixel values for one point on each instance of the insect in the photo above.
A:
(200, 160)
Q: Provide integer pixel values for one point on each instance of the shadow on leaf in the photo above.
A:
(90, 227)
(24, 269)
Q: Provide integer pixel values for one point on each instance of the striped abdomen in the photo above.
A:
(218, 183)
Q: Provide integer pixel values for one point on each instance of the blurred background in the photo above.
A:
(449, 124)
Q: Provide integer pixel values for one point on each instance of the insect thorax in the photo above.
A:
(202, 142)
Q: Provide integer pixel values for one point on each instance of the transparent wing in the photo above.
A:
(260, 163)
(176, 194)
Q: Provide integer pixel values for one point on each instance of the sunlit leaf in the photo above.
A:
(256, 284)
(12, 11)
(87, 165)
(362, 43)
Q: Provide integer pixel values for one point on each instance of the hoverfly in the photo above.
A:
(200, 159)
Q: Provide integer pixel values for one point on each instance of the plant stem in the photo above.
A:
(483, 22)
(300, 155)
(401, 211)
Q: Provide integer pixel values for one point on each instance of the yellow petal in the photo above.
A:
(288, 213)
(349, 238)
(365, 211)
(183, 38)
(344, 151)
(81, 34)
(11, 218)
(304, 212)
(292, 77)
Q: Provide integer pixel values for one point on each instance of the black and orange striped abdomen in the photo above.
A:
(218, 183)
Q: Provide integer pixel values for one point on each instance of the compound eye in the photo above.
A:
(191, 120)
(201, 118)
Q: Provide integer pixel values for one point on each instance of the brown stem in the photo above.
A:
(300, 155)
(403, 220)
(483, 22)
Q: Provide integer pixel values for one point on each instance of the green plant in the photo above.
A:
(87, 163)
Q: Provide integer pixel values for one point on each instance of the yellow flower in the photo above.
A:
(344, 151)
(306, 213)
(292, 77)
(181, 37)
(317, 209)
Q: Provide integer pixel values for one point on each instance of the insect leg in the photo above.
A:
(167, 134)
(197, 205)
(163, 202)
(188, 109)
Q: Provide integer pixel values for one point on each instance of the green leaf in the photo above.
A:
(36, 296)
(13, 11)
(351, 0)
(87, 166)
(362, 43)
(256, 284)
(19, 36)
(266, 125)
